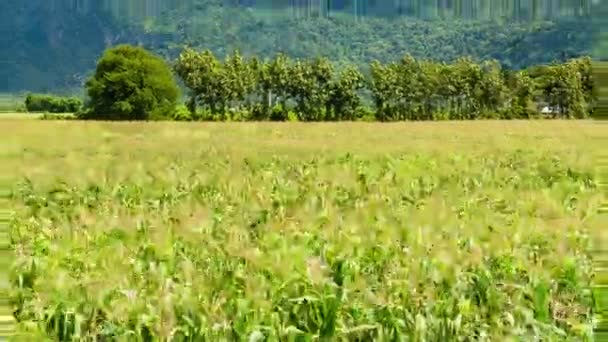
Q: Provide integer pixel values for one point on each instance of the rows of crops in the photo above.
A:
(420, 231)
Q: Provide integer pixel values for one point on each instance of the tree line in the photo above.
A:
(131, 83)
(52, 104)
(282, 88)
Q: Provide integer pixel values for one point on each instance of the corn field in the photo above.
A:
(302, 232)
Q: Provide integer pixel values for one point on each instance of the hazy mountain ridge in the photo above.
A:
(46, 49)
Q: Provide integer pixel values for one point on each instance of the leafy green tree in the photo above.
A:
(491, 92)
(309, 86)
(273, 81)
(562, 89)
(52, 104)
(239, 81)
(467, 75)
(599, 111)
(201, 73)
(523, 90)
(450, 90)
(584, 67)
(410, 89)
(407, 98)
(344, 98)
(417, 88)
(429, 90)
(130, 83)
(383, 86)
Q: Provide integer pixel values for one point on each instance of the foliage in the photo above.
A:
(562, 88)
(130, 83)
(52, 104)
(47, 116)
(12, 103)
(436, 232)
(411, 89)
(38, 29)
(343, 99)
(182, 113)
(599, 80)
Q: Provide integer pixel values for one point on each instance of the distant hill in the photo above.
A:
(53, 48)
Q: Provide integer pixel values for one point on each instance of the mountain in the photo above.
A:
(51, 45)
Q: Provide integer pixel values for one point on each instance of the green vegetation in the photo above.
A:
(263, 231)
(52, 104)
(410, 89)
(68, 116)
(11, 103)
(130, 83)
(57, 32)
(600, 75)
(421, 231)
(7, 322)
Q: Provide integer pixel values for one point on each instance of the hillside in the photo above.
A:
(71, 41)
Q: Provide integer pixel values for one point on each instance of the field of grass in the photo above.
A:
(303, 232)
(19, 116)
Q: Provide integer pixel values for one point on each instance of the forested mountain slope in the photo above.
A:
(48, 48)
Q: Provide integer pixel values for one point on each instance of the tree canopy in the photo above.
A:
(315, 89)
(130, 83)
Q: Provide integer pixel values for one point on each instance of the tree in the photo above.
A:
(273, 82)
(201, 73)
(239, 80)
(522, 96)
(130, 83)
(409, 89)
(584, 66)
(600, 85)
(52, 104)
(491, 90)
(383, 86)
(309, 86)
(344, 99)
(562, 89)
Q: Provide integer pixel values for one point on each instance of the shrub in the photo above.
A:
(47, 116)
(182, 113)
(278, 113)
(52, 104)
(21, 108)
(130, 83)
(365, 114)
